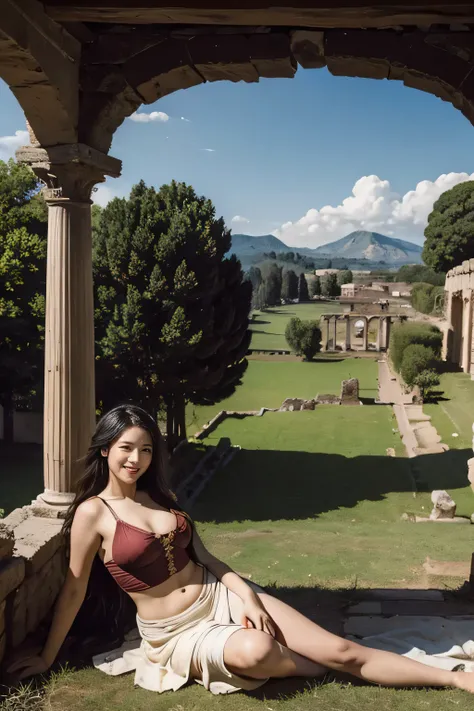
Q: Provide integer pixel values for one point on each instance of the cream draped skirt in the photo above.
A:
(162, 651)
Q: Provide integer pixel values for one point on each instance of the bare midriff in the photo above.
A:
(173, 596)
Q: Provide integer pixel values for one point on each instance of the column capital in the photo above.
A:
(69, 172)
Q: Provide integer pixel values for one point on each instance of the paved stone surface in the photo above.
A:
(400, 594)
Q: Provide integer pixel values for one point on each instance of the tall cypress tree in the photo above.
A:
(303, 293)
(172, 311)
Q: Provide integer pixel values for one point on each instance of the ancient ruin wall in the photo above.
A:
(32, 569)
(459, 336)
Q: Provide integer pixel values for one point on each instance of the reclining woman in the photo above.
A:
(197, 618)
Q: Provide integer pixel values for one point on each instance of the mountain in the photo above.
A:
(370, 247)
(374, 247)
(248, 245)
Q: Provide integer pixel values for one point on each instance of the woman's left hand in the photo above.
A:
(255, 616)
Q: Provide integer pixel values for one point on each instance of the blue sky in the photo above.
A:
(284, 155)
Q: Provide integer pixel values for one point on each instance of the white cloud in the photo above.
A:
(9, 144)
(240, 219)
(372, 206)
(103, 195)
(159, 116)
(208, 150)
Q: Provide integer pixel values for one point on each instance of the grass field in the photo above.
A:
(268, 326)
(454, 410)
(268, 383)
(320, 483)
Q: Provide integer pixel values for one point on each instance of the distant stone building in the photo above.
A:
(348, 291)
(458, 342)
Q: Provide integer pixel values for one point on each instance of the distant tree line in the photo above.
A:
(271, 284)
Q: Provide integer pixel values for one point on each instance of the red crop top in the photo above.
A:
(141, 559)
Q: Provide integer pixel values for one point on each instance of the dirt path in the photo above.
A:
(417, 433)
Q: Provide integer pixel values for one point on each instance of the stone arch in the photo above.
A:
(118, 76)
(40, 60)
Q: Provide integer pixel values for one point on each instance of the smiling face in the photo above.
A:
(130, 455)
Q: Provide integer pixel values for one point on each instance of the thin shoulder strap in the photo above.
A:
(110, 508)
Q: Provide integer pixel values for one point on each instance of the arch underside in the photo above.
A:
(78, 81)
(114, 85)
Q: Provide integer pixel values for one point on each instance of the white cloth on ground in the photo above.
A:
(436, 641)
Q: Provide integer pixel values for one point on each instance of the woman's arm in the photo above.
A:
(253, 610)
(85, 542)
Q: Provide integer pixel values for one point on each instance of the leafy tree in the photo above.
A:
(260, 302)
(426, 381)
(449, 233)
(303, 293)
(289, 285)
(405, 334)
(329, 285)
(171, 310)
(272, 280)
(423, 297)
(254, 276)
(411, 273)
(344, 277)
(23, 229)
(315, 286)
(303, 337)
(416, 359)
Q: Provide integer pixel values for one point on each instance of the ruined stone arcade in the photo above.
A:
(78, 69)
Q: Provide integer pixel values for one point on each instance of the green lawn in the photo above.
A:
(269, 326)
(454, 411)
(320, 483)
(268, 383)
(454, 414)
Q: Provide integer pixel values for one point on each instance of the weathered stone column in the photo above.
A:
(334, 343)
(69, 174)
(366, 334)
(348, 334)
(380, 334)
(467, 331)
(327, 333)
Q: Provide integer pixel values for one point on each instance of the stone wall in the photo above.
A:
(32, 569)
(458, 347)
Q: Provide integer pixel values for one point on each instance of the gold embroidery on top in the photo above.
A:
(167, 545)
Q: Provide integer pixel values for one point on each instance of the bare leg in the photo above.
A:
(307, 639)
(254, 653)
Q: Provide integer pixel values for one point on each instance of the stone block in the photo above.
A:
(366, 608)
(292, 404)
(16, 517)
(33, 600)
(37, 540)
(328, 400)
(308, 405)
(12, 573)
(350, 392)
(443, 505)
(7, 541)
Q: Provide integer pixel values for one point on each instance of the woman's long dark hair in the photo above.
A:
(107, 609)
